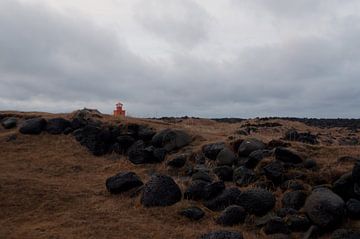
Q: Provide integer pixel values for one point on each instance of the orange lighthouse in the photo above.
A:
(119, 110)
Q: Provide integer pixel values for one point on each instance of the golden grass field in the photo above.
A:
(52, 187)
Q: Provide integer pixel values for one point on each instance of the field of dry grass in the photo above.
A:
(52, 187)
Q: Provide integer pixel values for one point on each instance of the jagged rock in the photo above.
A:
(123, 182)
(274, 171)
(297, 223)
(257, 201)
(193, 213)
(225, 157)
(222, 235)
(287, 156)
(255, 157)
(178, 162)
(224, 173)
(249, 146)
(232, 215)
(244, 176)
(160, 190)
(353, 208)
(212, 150)
(276, 225)
(229, 196)
(295, 199)
(324, 208)
(345, 234)
(9, 123)
(196, 190)
(171, 139)
(33, 126)
(57, 125)
(214, 189)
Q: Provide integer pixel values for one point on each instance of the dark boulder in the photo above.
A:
(353, 208)
(171, 139)
(344, 187)
(212, 150)
(229, 196)
(356, 177)
(277, 143)
(287, 156)
(250, 145)
(324, 208)
(310, 164)
(257, 201)
(213, 189)
(33, 126)
(232, 215)
(196, 190)
(222, 235)
(345, 234)
(202, 175)
(9, 123)
(307, 137)
(178, 162)
(285, 211)
(274, 171)
(123, 182)
(145, 133)
(98, 140)
(298, 223)
(57, 125)
(193, 213)
(255, 157)
(294, 199)
(160, 190)
(276, 225)
(139, 154)
(224, 173)
(225, 157)
(244, 176)
(125, 142)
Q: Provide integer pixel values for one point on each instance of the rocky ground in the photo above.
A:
(89, 175)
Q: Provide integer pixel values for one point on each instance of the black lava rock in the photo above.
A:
(276, 225)
(257, 201)
(287, 156)
(324, 208)
(224, 173)
(294, 199)
(178, 162)
(9, 123)
(160, 190)
(249, 146)
(193, 213)
(232, 215)
(57, 125)
(229, 196)
(123, 182)
(353, 208)
(196, 190)
(244, 176)
(33, 126)
(212, 150)
(171, 139)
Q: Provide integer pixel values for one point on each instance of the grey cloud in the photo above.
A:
(181, 23)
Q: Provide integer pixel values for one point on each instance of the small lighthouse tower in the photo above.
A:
(119, 110)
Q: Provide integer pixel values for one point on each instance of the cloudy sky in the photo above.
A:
(207, 58)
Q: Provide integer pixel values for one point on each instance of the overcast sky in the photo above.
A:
(207, 58)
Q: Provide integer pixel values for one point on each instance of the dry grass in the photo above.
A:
(51, 187)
